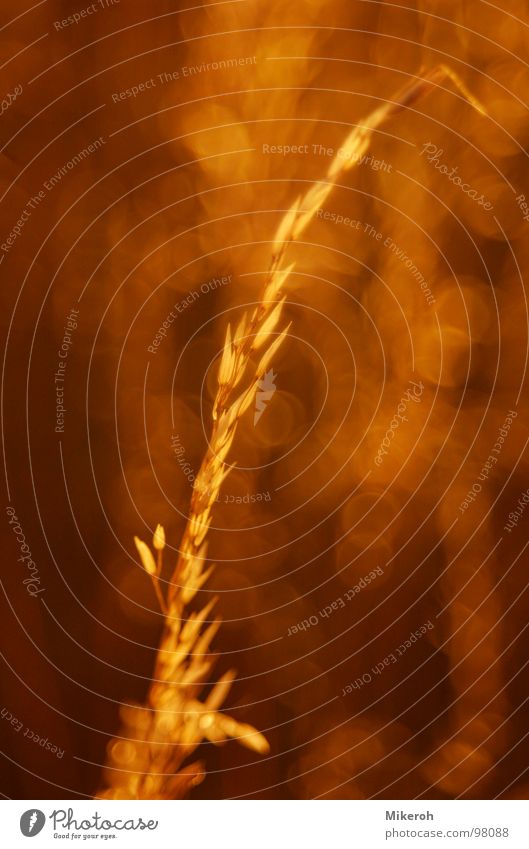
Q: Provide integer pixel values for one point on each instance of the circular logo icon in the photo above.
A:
(31, 822)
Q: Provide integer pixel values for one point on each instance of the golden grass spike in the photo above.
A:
(272, 350)
(459, 84)
(268, 325)
(158, 539)
(219, 692)
(226, 363)
(147, 764)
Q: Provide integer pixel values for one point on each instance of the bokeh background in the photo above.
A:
(181, 190)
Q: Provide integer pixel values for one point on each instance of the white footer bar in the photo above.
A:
(267, 824)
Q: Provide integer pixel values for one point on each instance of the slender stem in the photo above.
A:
(159, 594)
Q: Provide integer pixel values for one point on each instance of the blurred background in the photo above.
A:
(146, 155)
